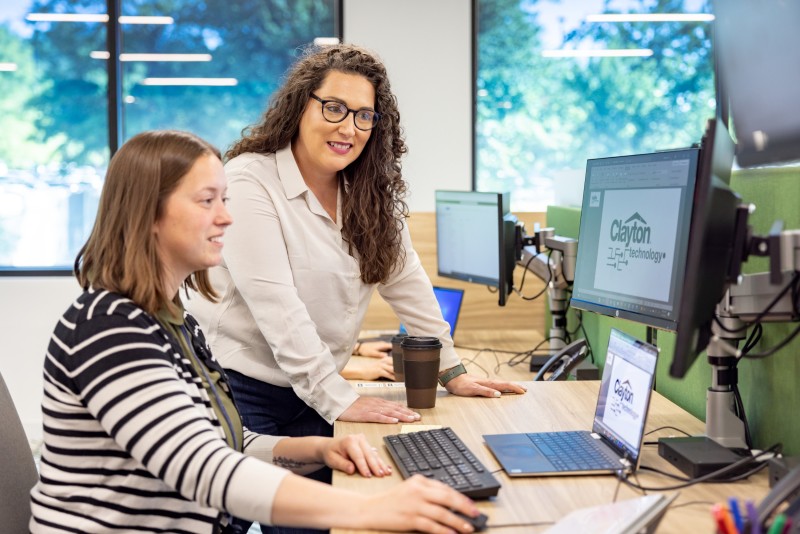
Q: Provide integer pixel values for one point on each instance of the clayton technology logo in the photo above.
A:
(623, 399)
(633, 236)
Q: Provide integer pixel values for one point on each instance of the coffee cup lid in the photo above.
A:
(398, 337)
(421, 342)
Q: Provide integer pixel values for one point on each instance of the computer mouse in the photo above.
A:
(478, 523)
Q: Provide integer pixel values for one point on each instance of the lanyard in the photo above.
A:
(211, 387)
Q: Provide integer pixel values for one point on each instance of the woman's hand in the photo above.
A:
(419, 505)
(369, 368)
(373, 349)
(353, 453)
(467, 385)
(377, 410)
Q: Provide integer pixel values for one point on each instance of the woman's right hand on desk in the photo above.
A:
(422, 505)
(375, 410)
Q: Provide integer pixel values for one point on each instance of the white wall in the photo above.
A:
(29, 309)
(426, 47)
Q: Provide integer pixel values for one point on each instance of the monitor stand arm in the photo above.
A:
(722, 423)
(557, 269)
(746, 302)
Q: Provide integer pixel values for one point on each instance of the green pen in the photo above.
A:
(777, 525)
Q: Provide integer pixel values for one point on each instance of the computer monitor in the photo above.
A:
(475, 239)
(711, 248)
(634, 233)
(759, 52)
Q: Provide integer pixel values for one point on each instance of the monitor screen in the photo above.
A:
(711, 248)
(475, 238)
(633, 236)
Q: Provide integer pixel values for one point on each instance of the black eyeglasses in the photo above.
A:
(334, 111)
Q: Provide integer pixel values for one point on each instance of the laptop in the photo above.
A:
(449, 300)
(615, 442)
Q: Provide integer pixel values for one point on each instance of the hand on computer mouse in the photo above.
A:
(478, 523)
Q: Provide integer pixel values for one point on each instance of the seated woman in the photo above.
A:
(140, 429)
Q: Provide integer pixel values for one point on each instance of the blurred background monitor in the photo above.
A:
(475, 239)
(711, 246)
(634, 234)
(757, 46)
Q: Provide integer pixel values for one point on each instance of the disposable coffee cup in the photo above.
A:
(397, 357)
(421, 370)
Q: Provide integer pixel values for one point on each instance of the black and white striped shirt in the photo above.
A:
(131, 442)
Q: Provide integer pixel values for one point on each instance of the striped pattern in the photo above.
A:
(131, 441)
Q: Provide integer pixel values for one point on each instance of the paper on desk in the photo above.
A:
(407, 429)
(622, 517)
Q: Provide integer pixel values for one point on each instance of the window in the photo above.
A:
(557, 84)
(208, 68)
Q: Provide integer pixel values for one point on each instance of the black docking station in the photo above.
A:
(697, 456)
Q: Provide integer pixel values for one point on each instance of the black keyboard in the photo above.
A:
(441, 455)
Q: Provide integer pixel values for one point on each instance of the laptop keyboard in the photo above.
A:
(574, 451)
(441, 455)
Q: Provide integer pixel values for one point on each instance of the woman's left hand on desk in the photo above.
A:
(467, 385)
(352, 454)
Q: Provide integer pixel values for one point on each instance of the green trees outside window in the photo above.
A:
(208, 67)
(542, 112)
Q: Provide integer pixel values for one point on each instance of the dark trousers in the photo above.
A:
(277, 411)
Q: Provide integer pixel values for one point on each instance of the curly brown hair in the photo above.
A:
(373, 208)
(121, 254)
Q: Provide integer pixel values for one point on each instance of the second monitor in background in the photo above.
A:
(475, 239)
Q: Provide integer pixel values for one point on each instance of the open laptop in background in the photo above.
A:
(449, 300)
(615, 442)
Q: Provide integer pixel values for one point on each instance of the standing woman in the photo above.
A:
(140, 430)
(318, 194)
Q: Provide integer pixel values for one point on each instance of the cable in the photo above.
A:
(692, 503)
(776, 348)
(586, 337)
(546, 284)
(518, 525)
(668, 427)
(739, 405)
(714, 475)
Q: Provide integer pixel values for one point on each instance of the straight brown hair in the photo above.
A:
(120, 254)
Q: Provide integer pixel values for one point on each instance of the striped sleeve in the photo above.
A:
(129, 435)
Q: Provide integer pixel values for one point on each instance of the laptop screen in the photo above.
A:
(625, 392)
(449, 300)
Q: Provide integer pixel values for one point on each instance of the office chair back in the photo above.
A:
(17, 468)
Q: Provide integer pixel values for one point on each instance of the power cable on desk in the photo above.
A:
(667, 427)
(736, 478)
(518, 525)
(471, 361)
(692, 503)
(712, 477)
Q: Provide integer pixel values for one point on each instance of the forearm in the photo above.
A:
(300, 455)
(304, 502)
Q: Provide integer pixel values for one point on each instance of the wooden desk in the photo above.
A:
(551, 406)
